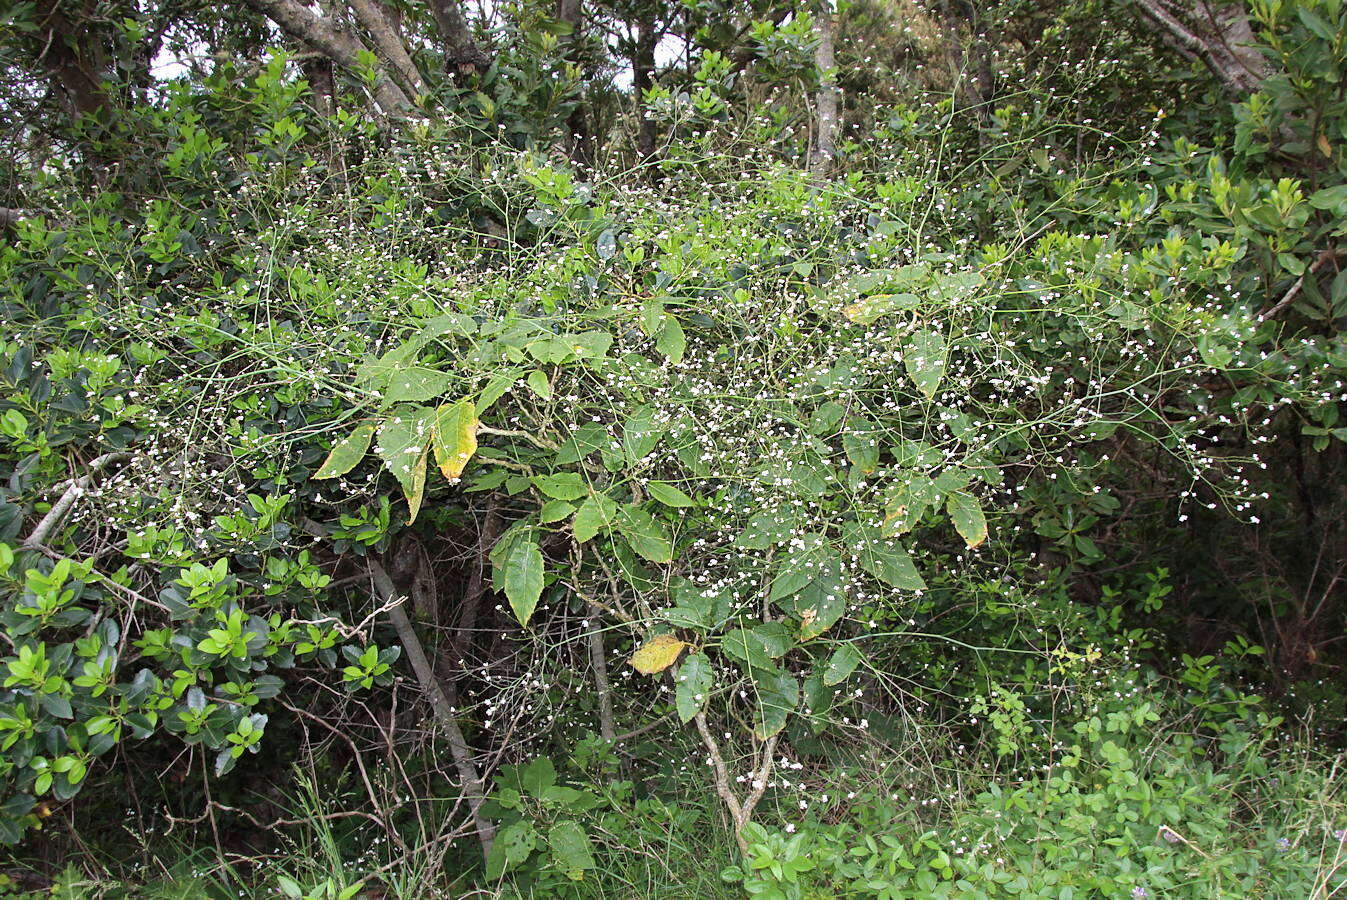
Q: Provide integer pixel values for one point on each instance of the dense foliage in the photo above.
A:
(545, 466)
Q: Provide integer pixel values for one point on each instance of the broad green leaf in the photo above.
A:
(562, 486)
(843, 662)
(555, 511)
(692, 686)
(597, 513)
(868, 309)
(669, 495)
(645, 534)
(455, 437)
(640, 434)
(347, 452)
(861, 445)
(657, 654)
(538, 776)
(799, 567)
(519, 840)
(778, 695)
(414, 384)
(571, 850)
(524, 579)
(883, 557)
(966, 513)
(403, 445)
(538, 383)
(822, 602)
(671, 341)
(496, 387)
(924, 359)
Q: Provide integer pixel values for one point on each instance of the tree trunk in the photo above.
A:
(389, 46)
(642, 79)
(74, 59)
(331, 40)
(825, 138)
(462, 55)
(1217, 34)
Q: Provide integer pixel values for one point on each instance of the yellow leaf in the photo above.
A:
(658, 654)
(1324, 147)
(455, 436)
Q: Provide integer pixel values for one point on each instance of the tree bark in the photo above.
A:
(462, 54)
(1217, 34)
(331, 40)
(74, 59)
(825, 138)
(389, 46)
(642, 79)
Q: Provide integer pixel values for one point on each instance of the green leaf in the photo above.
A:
(538, 776)
(924, 359)
(519, 841)
(640, 434)
(966, 514)
(1331, 198)
(523, 579)
(671, 341)
(645, 534)
(414, 384)
(403, 445)
(798, 568)
(883, 558)
(692, 686)
(496, 387)
(347, 452)
(778, 695)
(843, 662)
(669, 495)
(454, 436)
(571, 849)
(822, 602)
(562, 486)
(597, 513)
(555, 511)
(862, 448)
(538, 383)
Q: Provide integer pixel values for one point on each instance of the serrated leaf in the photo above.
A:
(597, 513)
(496, 387)
(523, 579)
(924, 359)
(413, 384)
(657, 654)
(669, 495)
(645, 534)
(692, 686)
(843, 662)
(347, 452)
(822, 602)
(966, 513)
(454, 436)
(562, 486)
(884, 558)
(555, 511)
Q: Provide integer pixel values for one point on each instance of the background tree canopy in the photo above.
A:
(628, 448)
